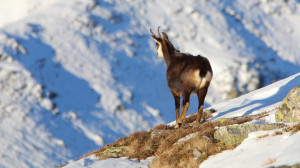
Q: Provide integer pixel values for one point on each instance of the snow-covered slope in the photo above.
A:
(254, 151)
(77, 74)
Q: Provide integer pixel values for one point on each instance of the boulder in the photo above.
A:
(233, 135)
(222, 121)
(187, 138)
(114, 152)
(284, 166)
(289, 109)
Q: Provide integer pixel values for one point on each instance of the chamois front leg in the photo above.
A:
(201, 96)
(177, 103)
(185, 107)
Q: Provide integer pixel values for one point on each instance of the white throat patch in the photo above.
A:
(160, 52)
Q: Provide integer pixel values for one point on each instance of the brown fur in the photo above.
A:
(186, 74)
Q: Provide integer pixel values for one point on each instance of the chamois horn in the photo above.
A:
(152, 33)
(157, 31)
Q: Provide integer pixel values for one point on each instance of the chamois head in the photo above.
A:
(164, 46)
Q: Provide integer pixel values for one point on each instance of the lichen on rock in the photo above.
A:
(234, 135)
(289, 109)
(114, 152)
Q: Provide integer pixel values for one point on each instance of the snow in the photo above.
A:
(261, 100)
(124, 162)
(78, 74)
(258, 152)
(14, 10)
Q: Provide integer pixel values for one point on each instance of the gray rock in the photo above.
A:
(157, 133)
(187, 138)
(246, 117)
(198, 154)
(289, 109)
(284, 166)
(234, 135)
(115, 152)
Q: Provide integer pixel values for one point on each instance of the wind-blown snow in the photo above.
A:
(77, 74)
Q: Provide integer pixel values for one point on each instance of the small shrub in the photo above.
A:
(296, 128)
(277, 133)
(268, 162)
(163, 127)
(293, 129)
(262, 136)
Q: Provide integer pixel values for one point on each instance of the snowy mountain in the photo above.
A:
(78, 74)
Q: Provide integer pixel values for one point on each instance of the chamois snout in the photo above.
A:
(158, 43)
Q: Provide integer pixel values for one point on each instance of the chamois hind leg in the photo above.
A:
(201, 96)
(185, 107)
(176, 96)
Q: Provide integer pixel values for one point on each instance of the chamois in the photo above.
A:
(186, 75)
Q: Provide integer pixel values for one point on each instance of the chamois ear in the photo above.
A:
(165, 35)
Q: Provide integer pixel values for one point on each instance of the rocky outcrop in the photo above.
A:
(243, 119)
(234, 135)
(114, 152)
(284, 166)
(188, 137)
(289, 109)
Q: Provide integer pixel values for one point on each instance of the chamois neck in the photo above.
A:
(167, 58)
(167, 54)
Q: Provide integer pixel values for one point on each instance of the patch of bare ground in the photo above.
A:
(262, 136)
(268, 162)
(293, 129)
(169, 153)
(277, 133)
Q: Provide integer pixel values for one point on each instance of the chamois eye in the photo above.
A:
(157, 45)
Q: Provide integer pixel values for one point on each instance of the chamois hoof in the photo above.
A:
(195, 125)
(177, 125)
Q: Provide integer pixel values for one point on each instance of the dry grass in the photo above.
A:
(169, 153)
(262, 136)
(293, 129)
(206, 115)
(277, 133)
(297, 127)
(268, 162)
(182, 154)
